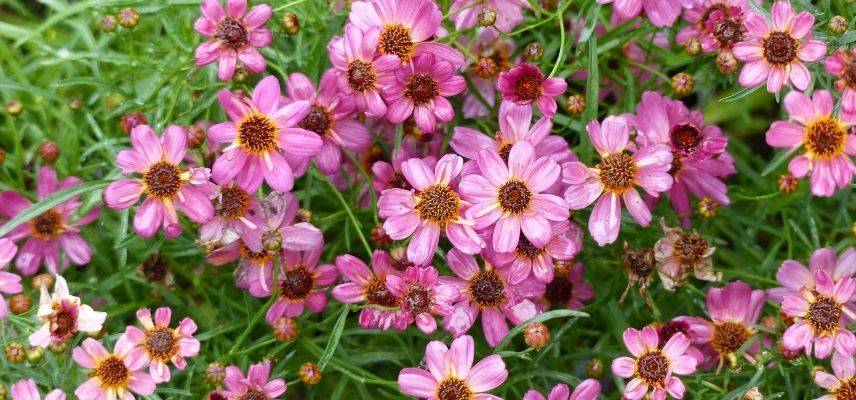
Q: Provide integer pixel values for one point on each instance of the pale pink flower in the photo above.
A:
(827, 141)
(654, 368)
(27, 390)
(302, 284)
(236, 216)
(112, 375)
(777, 49)
(842, 64)
(451, 374)
(256, 385)
(162, 344)
(9, 283)
(422, 296)
(368, 285)
(63, 316)
(661, 13)
(717, 24)
(525, 84)
(795, 277)
(588, 389)
(235, 36)
(509, 13)
(842, 385)
(529, 260)
(820, 317)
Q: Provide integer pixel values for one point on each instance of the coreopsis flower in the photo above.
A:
(262, 130)
(451, 374)
(567, 289)
(680, 252)
(256, 385)
(819, 315)
(27, 390)
(661, 13)
(526, 258)
(236, 216)
(733, 310)
(698, 164)
(302, 284)
(63, 315)
(369, 285)
(842, 64)
(9, 283)
(168, 187)
(360, 69)
(421, 90)
(509, 13)
(162, 344)
(795, 277)
(422, 296)
(330, 117)
(50, 231)
(486, 291)
(587, 390)
(406, 28)
(777, 49)
(512, 199)
(715, 24)
(615, 178)
(842, 385)
(828, 143)
(525, 84)
(653, 368)
(112, 375)
(431, 206)
(235, 36)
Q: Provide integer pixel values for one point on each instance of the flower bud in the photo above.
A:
(40, 280)
(156, 269)
(195, 136)
(272, 240)
(310, 374)
(108, 23)
(15, 353)
(4, 395)
(536, 335)
(35, 355)
(58, 347)
(129, 121)
(726, 62)
(128, 17)
(290, 23)
(692, 47)
(788, 183)
(708, 207)
(19, 303)
(215, 373)
(770, 322)
(534, 51)
(682, 83)
(285, 329)
(14, 108)
(576, 104)
(49, 151)
(485, 68)
(379, 236)
(487, 16)
(838, 25)
(75, 103)
(788, 354)
(594, 368)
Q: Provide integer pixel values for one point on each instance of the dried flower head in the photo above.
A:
(640, 264)
(680, 252)
(285, 329)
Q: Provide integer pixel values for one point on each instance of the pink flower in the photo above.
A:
(431, 206)
(654, 368)
(451, 373)
(615, 177)
(716, 24)
(661, 13)
(842, 384)
(422, 296)
(118, 374)
(405, 28)
(487, 291)
(566, 242)
(235, 35)
(27, 390)
(828, 143)
(842, 64)
(775, 53)
(369, 286)
(163, 344)
(167, 186)
(567, 289)
(796, 278)
(9, 282)
(257, 384)
(388, 176)
(588, 389)
(260, 131)
(236, 215)
(509, 13)
(302, 284)
(820, 317)
(421, 90)
(525, 84)
(63, 315)
(52, 230)
(359, 70)
(511, 198)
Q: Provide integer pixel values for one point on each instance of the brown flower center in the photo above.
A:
(395, 39)
(438, 203)
(376, 293)
(257, 134)
(47, 225)
(418, 299)
(161, 343)
(780, 48)
(232, 33)
(421, 88)
(234, 202)
(691, 248)
(112, 372)
(452, 388)
(652, 368)
(319, 120)
(63, 324)
(525, 249)
(162, 180)
(825, 138)
(361, 75)
(559, 290)
(528, 86)
(257, 257)
(728, 31)
(254, 394)
(486, 289)
(514, 197)
(685, 137)
(505, 151)
(155, 268)
(296, 283)
(849, 74)
(846, 390)
(824, 315)
(618, 172)
(728, 337)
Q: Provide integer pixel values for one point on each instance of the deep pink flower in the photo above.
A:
(162, 344)
(9, 283)
(795, 277)
(588, 389)
(776, 50)
(235, 35)
(51, 231)
(369, 285)
(716, 24)
(256, 385)
(525, 84)
(820, 316)
(421, 90)
(431, 206)
(661, 13)
(63, 316)
(842, 64)
(509, 13)
(840, 385)
(117, 374)
(451, 373)
(260, 131)
(654, 368)
(27, 390)
(827, 140)
(360, 70)
(168, 187)
(422, 296)
(302, 284)
(236, 216)
(511, 198)
(526, 258)
(487, 291)
(615, 178)
(567, 289)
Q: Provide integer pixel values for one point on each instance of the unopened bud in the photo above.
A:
(108, 23)
(290, 23)
(487, 16)
(310, 374)
(241, 74)
(19, 303)
(35, 355)
(49, 151)
(285, 329)
(14, 108)
(594, 368)
(683, 83)
(693, 47)
(128, 17)
(15, 353)
(536, 335)
(485, 68)
(195, 136)
(726, 62)
(129, 121)
(304, 215)
(788, 183)
(272, 240)
(58, 347)
(75, 103)
(2, 157)
(41, 280)
(379, 236)
(215, 373)
(534, 51)
(770, 322)
(838, 25)
(576, 104)
(708, 207)
(788, 354)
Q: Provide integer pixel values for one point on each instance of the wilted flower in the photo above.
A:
(640, 265)
(680, 252)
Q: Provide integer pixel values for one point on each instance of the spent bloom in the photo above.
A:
(827, 141)
(63, 315)
(368, 285)
(661, 13)
(795, 277)
(47, 233)
(509, 13)
(587, 390)
(820, 317)
(654, 368)
(777, 50)
(235, 36)
(422, 296)
(162, 344)
(842, 385)
(9, 283)
(302, 284)
(451, 374)
(112, 375)
(680, 252)
(27, 390)
(421, 90)
(525, 84)
(168, 187)
(842, 64)
(256, 385)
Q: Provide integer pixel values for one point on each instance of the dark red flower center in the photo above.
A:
(825, 138)
(670, 328)
(728, 31)
(691, 248)
(161, 343)
(232, 33)
(653, 368)
(417, 299)
(526, 249)
(155, 268)
(377, 293)
(486, 289)
(528, 86)
(257, 134)
(780, 48)
(421, 88)
(452, 388)
(824, 315)
(47, 225)
(361, 75)
(618, 172)
(296, 283)
(234, 202)
(438, 204)
(63, 324)
(728, 337)
(319, 120)
(395, 39)
(514, 197)
(112, 372)
(559, 290)
(162, 180)
(685, 137)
